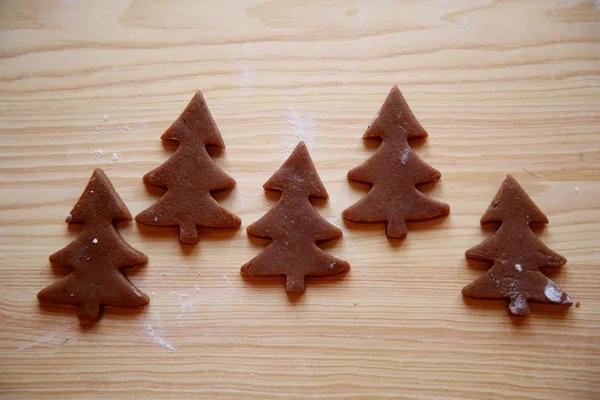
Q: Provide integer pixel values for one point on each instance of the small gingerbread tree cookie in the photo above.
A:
(517, 254)
(97, 256)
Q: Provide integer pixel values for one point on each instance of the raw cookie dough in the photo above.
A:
(97, 256)
(295, 227)
(189, 176)
(516, 253)
(394, 171)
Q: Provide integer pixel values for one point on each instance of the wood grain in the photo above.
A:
(501, 86)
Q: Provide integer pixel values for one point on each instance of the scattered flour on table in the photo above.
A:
(246, 75)
(156, 338)
(300, 128)
(39, 341)
(98, 153)
(105, 117)
(44, 339)
(577, 187)
(115, 157)
(338, 222)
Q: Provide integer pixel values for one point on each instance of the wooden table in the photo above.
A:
(501, 86)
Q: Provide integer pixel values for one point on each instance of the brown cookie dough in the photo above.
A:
(516, 253)
(394, 171)
(295, 227)
(189, 176)
(97, 256)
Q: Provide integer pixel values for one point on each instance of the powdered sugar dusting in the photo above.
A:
(300, 128)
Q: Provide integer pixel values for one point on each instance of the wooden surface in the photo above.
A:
(501, 86)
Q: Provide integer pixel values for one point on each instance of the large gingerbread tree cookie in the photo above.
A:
(394, 171)
(295, 227)
(189, 176)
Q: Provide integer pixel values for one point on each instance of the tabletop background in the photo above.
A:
(503, 87)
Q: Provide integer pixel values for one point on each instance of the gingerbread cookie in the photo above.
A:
(394, 171)
(97, 256)
(516, 253)
(189, 176)
(295, 227)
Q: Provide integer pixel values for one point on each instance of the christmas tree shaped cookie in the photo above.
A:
(189, 176)
(97, 256)
(394, 171)
(295, 227)
(517, 254)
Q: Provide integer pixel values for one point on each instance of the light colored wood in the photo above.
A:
(501, 86)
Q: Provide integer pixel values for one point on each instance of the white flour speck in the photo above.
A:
(105, 117)
(299, 129)
(115, 157)
(226, 280)
(155, 219)
(151, 294)
(517, 305)
(577, 187)
(251, 376)
(519, 267)
(553, 293)
(69, 217)
(126, 127)
(156, 338)
(95, 241)
(197, 288)
(404, 155)
(98, 153)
